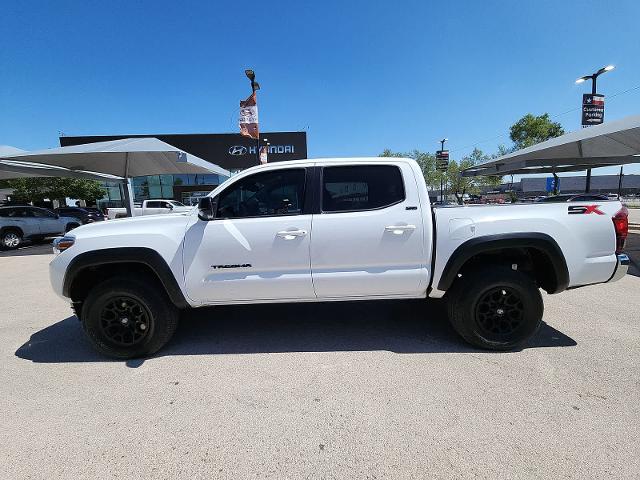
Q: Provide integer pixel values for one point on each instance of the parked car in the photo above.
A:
(84, 215)
(151, 207)
(572, 197)
(21, 223)
(335, 229)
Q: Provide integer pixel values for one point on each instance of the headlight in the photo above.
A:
(60, 244)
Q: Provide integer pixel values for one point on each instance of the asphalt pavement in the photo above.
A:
(355, 390)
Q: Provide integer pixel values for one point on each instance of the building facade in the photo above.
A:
(230, 151)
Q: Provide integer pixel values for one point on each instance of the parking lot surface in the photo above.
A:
(356, 390)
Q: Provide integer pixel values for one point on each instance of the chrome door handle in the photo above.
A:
(291, 234)
(399, 229)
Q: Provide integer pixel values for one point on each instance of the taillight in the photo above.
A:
(621, 225)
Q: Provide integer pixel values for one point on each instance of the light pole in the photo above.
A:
(593, 77)
(442, 172)
(254, 86)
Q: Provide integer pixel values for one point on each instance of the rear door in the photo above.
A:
(47, 221)
(368, 239)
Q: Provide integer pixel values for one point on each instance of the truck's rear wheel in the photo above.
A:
(496, 308)
(128, 318)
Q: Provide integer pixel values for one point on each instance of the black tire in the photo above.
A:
(71, 226)
(11, 238)
(496, 308)
(139, 302)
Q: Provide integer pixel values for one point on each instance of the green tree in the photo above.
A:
(532, 129)
(427, 162)
(37, 188)
(459, 185)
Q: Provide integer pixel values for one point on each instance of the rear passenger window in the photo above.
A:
(367, 187)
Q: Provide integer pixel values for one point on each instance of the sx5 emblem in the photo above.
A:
(585, 209)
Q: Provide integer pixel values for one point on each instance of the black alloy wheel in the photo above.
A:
(495, 307)
(500, 312)
(124, 321)
(128, 317)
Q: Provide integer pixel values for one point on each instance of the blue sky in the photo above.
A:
(357, 76)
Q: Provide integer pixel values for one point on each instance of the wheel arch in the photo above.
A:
(90, 268)
(536, 253)
(11, 228)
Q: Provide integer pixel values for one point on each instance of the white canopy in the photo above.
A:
(130, 157)
(12, 169)
(612, 143)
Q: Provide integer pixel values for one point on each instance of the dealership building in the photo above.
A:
(230, 151)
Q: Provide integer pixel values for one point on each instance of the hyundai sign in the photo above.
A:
(228, 150)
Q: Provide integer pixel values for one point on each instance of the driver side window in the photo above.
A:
(268, 194)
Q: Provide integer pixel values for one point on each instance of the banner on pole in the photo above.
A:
(592, 109)
(248, 120)
(552, 186)
(442, 160)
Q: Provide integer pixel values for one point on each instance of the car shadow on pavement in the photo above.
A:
(41, 248)
(395, 326)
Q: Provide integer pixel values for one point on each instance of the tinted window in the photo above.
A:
(20, 212)
(41, 213)
(5, 212)
(154, 204)
(361, 187)
(279, 192)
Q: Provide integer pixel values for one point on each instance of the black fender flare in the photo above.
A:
(539, 241)
(142, 255)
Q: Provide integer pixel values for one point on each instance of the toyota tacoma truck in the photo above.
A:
(335, 229)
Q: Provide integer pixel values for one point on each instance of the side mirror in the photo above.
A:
(169, 206)
(207, 207)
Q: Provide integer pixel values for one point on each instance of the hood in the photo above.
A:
(141, 225)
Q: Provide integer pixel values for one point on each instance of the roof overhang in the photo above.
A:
(610, 144)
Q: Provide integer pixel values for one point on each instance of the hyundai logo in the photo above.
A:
(237, 150)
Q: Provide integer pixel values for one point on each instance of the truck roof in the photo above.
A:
(308, 161)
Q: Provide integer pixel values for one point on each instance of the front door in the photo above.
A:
(369, 238)
(257, 247)
(48, 222)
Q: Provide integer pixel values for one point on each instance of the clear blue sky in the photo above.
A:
(357, 76)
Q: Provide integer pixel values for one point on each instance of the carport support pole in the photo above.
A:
(587, 187)
(127, 188)
(555, 183)
(620, 183)
(127, 194)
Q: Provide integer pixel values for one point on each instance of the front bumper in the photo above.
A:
(622, 265)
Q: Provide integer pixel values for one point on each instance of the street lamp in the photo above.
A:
(442, 174)
(593, 77)
(252, 77)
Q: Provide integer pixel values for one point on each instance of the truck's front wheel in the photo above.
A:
(128, 318)
(496, 308)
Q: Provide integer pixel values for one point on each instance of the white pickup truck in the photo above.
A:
(150, 207)
(335, 229)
